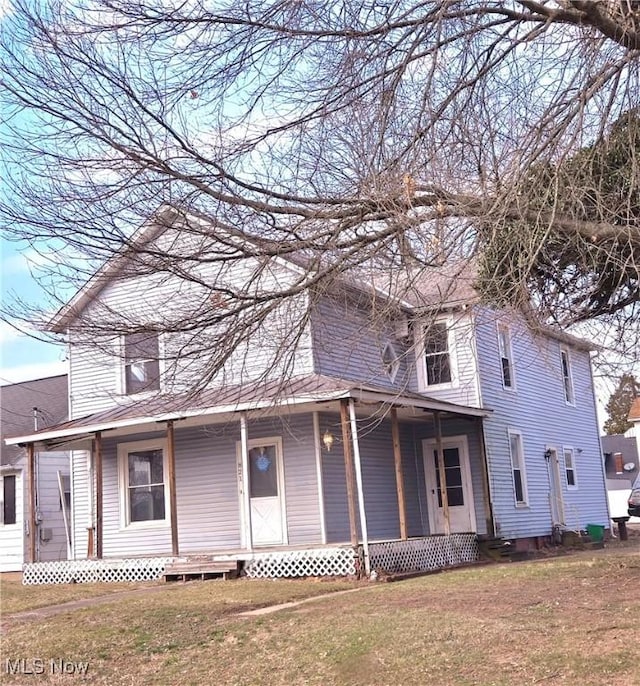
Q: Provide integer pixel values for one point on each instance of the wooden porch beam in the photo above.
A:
(173, 510)
(31, 495)
(484, 464)
(97, 461)
(246, 494)
(348, 469)
(442, 472)
(397, 458)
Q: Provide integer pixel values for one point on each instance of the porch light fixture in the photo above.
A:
(327, 440)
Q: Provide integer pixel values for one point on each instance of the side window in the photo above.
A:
(517, 468)
(437, 355)
(9, 499)
(567, 379)
(506, 358)
(390, 361)
(570, 468)
(141, 365)
(143, 476)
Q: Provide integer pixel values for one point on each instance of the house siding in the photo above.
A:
(207, 494)
(49, 507)
(537, 408)
(349, 337)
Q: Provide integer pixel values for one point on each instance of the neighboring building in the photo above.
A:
(620, 453)
(24, 407)
(327, 450)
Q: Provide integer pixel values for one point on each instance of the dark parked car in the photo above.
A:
(634, 503)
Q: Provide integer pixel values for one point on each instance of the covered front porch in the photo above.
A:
(324, 478)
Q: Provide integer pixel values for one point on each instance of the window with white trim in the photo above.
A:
(567, 378)
(436, 354)
(9, 499)
(517, 468)
(143, 472)
(570, 468)
(506, 358)
(390, 361)
(141, 362)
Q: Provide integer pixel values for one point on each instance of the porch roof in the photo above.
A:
(259, 395)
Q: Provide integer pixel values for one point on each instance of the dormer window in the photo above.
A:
(391, 361)
(436, 352)
(141, 365)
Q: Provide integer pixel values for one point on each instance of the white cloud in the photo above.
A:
(9, 333)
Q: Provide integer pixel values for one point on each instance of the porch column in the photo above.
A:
(358, 465)
(484, 465)
(246, 495)
(397, 458)
(348, 469)
(97, 464)
(173, 511)
(31, 495)
(442, 472)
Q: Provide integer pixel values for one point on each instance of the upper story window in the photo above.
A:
(506, 358)
(9, 499)
(567, 378)
(436, 352)
(517, 467)
(141, 365)
(570, 468)
(391, 361)
(143, 473)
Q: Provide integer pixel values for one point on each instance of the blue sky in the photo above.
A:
(23, 357)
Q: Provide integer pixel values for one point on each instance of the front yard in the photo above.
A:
(568, 620)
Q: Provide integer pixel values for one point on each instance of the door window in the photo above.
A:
(453, 477)
(263, 472)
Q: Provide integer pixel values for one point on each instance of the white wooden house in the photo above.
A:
(326, 452)
(24, 407)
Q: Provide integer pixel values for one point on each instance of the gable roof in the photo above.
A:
(20, 405)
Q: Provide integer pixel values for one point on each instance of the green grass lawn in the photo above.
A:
(568, 620)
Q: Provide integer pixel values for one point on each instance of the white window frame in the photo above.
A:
(569, 450)
(17, 486)
(505, 352)
(521, 467)
(392, 369)
(567, 379)
(123, 483)
(122, 369)
(422, 359)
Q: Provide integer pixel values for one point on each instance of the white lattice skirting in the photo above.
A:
(297, 563)
(91, 571)
(423, 554)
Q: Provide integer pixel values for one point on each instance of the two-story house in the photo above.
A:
(346, 428)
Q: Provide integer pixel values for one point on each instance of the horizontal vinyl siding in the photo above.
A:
(49, 505)
(207, 493)
(538, 410)
(279, 346)
(79, 503)
(471, 430)
(348, 343)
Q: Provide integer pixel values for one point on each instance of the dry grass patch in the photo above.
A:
(563, 621)
(14, 597)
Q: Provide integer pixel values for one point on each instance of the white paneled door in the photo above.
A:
(458, 483)
(266, 489)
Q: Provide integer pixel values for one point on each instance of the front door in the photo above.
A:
(266, 491)
(458, 483)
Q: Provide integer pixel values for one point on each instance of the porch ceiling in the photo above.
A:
(264, 398)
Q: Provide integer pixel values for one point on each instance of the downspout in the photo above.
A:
(36, 466)
(246, 496)
(358, 469)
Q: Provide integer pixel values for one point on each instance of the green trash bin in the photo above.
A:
(595, 532)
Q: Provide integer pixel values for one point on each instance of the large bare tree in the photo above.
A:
(374, 134)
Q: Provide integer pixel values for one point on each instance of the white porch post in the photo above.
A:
(318, 450)
(442, 472)
(358, 468)
(246, 495)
